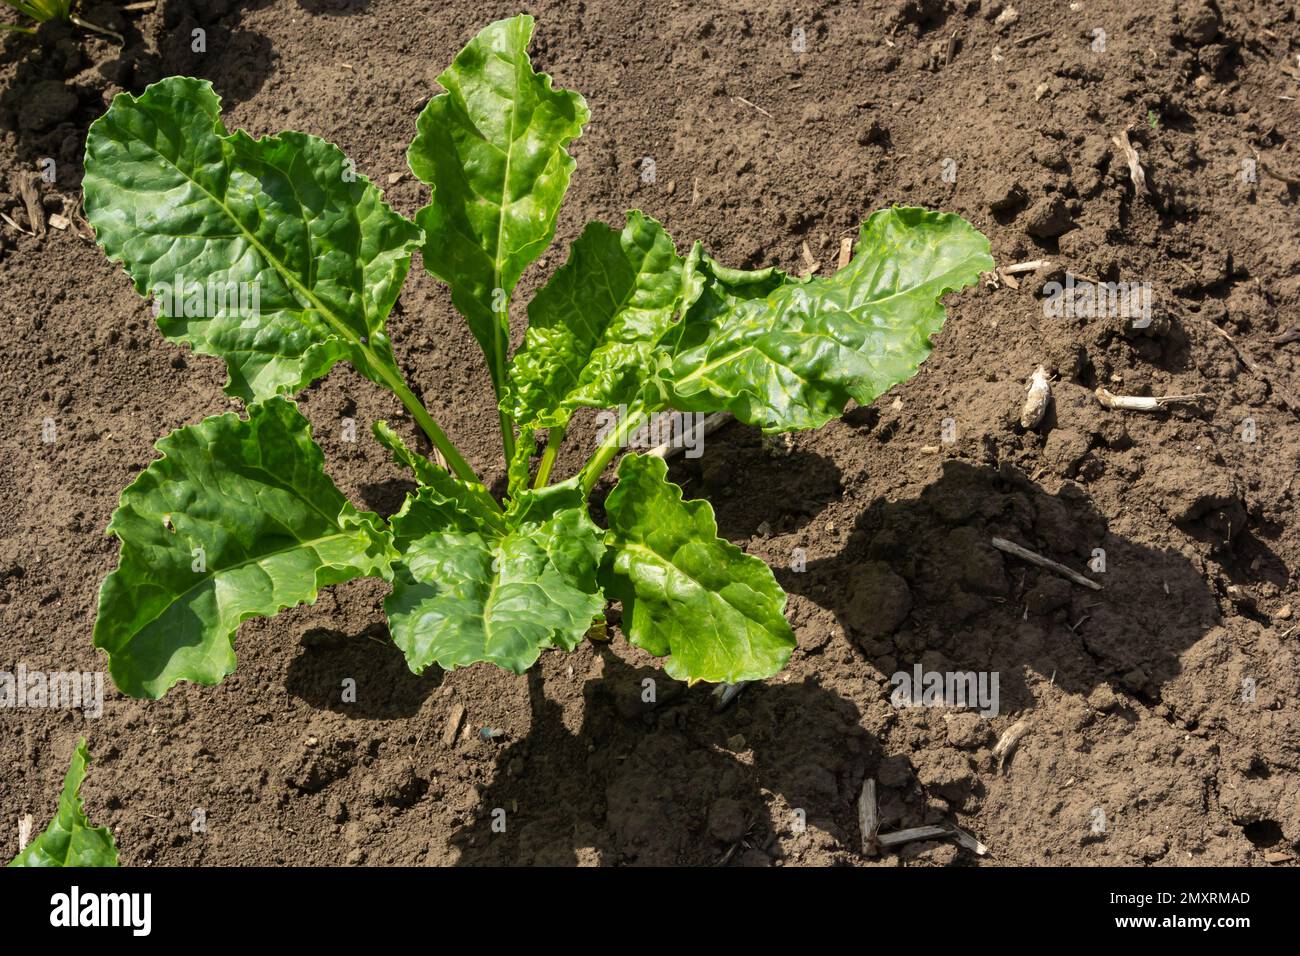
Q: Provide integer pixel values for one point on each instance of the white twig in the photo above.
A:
(1002, 544)
(899, 837)
(726, 693)
(1142, 403)
(932, 832)
(846, 252)
(969, 842)
(710, 424)
(452, 727)
(1033, 265)
(26, 232)
(741, 99)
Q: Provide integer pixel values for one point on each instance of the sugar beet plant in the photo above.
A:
(70, 840)
(238, 518)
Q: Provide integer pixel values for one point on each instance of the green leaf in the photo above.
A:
(70, 840)
(470, 497)
(686, 592)
(463, 594)
(492, 149)
(237, 519)
(295, 257)
(592, 327)
(788, 354)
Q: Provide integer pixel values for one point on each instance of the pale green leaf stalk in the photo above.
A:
(625, 323)
(70, 840)
(591, 328)
(492, 150)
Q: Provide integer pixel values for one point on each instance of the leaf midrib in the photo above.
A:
(209, 578)
(662, 559)
(340, 327)
(602, 335)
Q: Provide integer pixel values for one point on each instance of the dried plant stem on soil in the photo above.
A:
(846, 252)
(452, 727)
(1010, 547)
(1033, 265)
(1006, 744)
(711, 423)
(1142, 403)
(1031, 38)
(25, 182)
(726, 694)
(969, 841)
(1135, 171)
(1254, 368)
(912, 834)
(869, 817)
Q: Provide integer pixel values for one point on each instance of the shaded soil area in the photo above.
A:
(1163, 706)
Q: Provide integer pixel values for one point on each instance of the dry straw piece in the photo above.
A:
(1142, 403)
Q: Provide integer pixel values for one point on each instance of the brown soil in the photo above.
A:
(1133, 694)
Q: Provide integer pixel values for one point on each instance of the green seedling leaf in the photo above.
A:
(715, 612)
(273, 254)
(70, 840)
(492, 150)
(237, 519)
(463, 593)
(42, 11)
(787, 354)
(591, 328)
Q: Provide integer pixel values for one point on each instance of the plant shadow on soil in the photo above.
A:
(918, 581)
(666, 782)
(915, 582)
(388, 688)
(64, 73)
